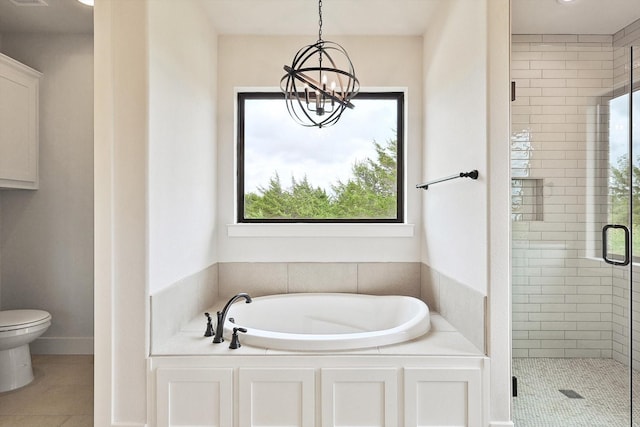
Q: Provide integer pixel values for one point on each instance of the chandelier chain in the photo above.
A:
(320, 36)
(320, 21)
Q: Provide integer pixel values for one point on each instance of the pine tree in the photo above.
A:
(370, 193)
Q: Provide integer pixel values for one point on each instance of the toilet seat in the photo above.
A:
(20, 319)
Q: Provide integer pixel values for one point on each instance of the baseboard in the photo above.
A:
(62, 345)
(501, 424)
(128, 425)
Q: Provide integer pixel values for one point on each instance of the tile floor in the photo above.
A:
(603, 384)
(61, 395)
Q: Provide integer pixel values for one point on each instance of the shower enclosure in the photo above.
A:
(576, 229)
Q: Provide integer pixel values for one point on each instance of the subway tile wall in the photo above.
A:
(566, 302)
(628, 36)
(562, 295)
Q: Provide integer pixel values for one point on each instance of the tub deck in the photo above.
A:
(442, 340)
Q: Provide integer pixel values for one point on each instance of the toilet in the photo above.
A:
(18, 328)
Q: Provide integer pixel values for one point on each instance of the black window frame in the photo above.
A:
(400, 178)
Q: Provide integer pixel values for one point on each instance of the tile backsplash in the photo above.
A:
(173, 307)
(178, 304)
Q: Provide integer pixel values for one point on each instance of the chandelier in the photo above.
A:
(320, 83)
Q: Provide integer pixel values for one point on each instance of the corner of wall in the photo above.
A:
(628, 35)
(430, 287)
(461, 305)
(176, 305)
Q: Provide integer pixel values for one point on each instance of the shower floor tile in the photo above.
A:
(602, 384)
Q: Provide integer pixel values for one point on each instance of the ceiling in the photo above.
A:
(60, 16)
(340, 17)
(412, 17)
(348, 17)
(580, 17)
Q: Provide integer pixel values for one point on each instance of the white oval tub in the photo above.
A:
(323, 321)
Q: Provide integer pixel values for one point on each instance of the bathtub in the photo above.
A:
(328, 321)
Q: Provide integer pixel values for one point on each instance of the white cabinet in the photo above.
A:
(194, 397)
(359, 397)
(276, 397)
(337, 392)
(19, 87)
(435, 397)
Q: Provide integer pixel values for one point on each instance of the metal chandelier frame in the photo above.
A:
(319, 101)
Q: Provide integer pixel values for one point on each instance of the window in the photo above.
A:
(346, 173)
(619, 193)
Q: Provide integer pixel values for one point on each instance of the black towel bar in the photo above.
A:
(473, 175)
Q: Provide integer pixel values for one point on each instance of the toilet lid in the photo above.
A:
(14, 319)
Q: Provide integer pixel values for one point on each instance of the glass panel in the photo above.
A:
(572, 312)
(633, 124)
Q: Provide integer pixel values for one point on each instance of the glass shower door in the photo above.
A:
(576, 202)
(621, 236)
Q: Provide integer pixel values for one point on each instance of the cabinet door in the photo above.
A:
(276, 397)
(18, 125)
(194, 397)
(360, 397)
(443, 397)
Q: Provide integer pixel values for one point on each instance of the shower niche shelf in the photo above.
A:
(526, 199)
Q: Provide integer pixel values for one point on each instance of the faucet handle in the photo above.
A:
(235, 341)
(209, 331)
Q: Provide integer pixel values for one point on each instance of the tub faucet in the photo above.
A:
(222, 315)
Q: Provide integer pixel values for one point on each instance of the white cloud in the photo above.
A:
(275, 142)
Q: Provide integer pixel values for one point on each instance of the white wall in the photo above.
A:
(121, 303)
(46, 238)
(121, 157)
(256, 62)
(455, 124)
(182, 142)
(466, 233)
(498, 327)
(145, 154)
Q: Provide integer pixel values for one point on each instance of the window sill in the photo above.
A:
(320, 230)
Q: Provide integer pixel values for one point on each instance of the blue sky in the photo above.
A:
(275, 142)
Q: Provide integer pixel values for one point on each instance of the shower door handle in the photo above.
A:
(605, 246)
